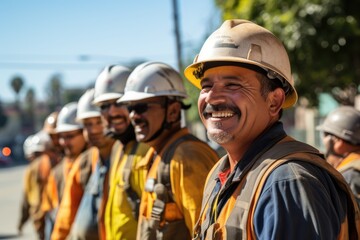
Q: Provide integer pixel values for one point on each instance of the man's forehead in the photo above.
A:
(229, 72)
(91, 119)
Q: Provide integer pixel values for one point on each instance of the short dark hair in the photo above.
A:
(268, 85)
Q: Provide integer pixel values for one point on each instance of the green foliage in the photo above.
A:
(16, 84)
(72, 95)
(322, 38)
(192, 114)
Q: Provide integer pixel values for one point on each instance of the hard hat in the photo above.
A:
(86, 109)
(110, 83)
(343, 122)
(152, 79)
(50, 123)
(41, 141)
(66, 121)
(243, 43)
(27, 147)
(38, 142)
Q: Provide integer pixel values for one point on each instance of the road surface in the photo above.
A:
(11, 181)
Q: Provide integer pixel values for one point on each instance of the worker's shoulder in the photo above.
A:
(193, 148)
(300, 173)
(89, 153)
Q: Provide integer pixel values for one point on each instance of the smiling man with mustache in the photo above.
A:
(268, 186)
(126, 177)
(178, 162)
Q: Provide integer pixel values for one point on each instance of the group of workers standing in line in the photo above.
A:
(119, 164)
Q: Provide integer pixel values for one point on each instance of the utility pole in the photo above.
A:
(177, 34)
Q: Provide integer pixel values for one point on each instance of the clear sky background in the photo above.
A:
(78, 38)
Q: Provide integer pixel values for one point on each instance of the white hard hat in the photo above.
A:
(110, 83)
(86, 108)
(66, 121)
(41, 141)
(152, 79)
(38, 142)
(27, 147)
(244, 43)
(50, 123)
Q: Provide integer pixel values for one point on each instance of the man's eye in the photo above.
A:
(205, 89)
(233, 85)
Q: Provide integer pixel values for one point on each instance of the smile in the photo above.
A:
(223, 114)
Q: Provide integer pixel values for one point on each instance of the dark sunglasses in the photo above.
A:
(106, 106)
(140, 108)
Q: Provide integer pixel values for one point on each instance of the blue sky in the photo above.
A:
(42, 38)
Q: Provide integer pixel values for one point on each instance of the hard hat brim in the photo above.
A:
(290, 100)
(67, 128)
(88, 115)
(106, 97)
(137, 96)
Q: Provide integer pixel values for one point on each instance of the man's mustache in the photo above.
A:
(209, 108)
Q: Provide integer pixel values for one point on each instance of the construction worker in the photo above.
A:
(49, 126)
(79, 173)
(126, 178)
(73, 143)
(341, 138)
(268, 186)
(28, 149)
(178, 162)
(38, 150)
(90, 214)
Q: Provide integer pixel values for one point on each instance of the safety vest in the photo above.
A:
(75, 184)
(354, 163)
(60, 179)
(119, 220)
(166, 221)
(236, 218)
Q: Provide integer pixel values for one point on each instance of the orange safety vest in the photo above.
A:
(163, 219)
(350, 162)
(236, 218)
(73, 190)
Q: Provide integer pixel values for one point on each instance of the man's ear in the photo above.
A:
(276, 99)
(173, 112)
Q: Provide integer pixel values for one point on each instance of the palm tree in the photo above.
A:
(17, 84)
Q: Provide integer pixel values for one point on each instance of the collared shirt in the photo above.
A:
(263, 143)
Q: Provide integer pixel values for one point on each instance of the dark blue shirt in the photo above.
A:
(298, 200)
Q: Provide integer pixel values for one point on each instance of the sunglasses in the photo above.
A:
(106, 106)
(140, 108)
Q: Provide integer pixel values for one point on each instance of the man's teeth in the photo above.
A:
(222, 114)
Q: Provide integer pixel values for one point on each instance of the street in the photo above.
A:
(11, 181)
